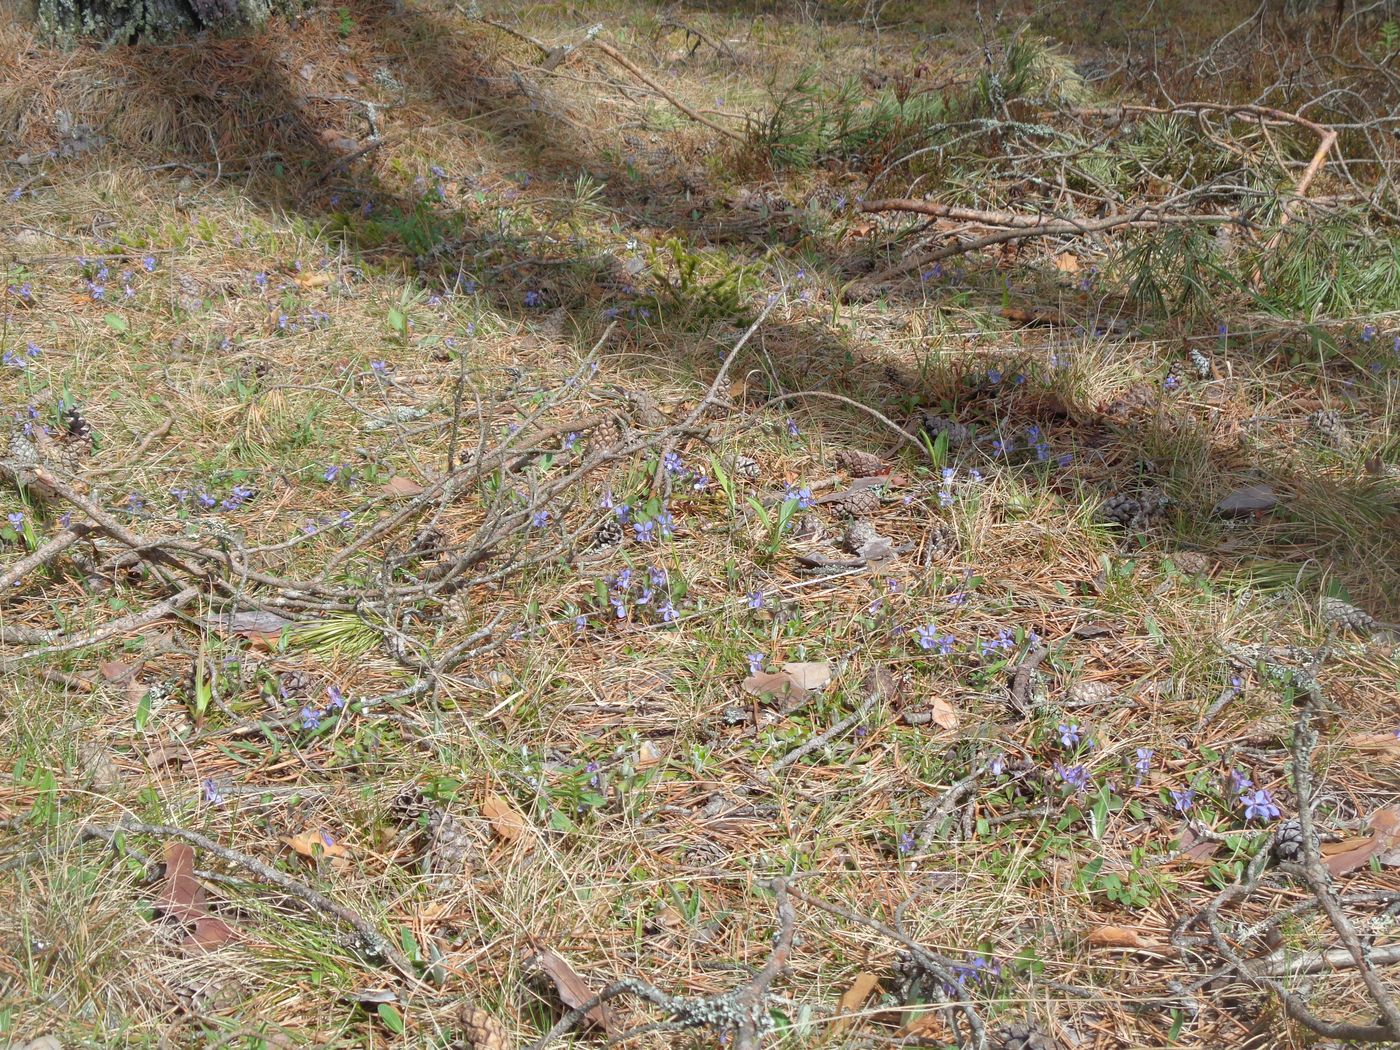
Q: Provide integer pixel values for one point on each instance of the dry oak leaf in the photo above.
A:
(505, 820)
(854, 999)
(181, 897)
(944, 714)
(1124, 937)
(808, 676)
(775, 684)
(315, 843)
(399, 485)
(573, 990)
(1350, 854)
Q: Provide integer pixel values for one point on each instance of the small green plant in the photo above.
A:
(345, 25)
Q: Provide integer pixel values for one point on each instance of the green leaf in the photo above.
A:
(143, 710)
(397, 321)
(117, 323)
(393, 1020)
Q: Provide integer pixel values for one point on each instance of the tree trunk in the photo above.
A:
(128, 21)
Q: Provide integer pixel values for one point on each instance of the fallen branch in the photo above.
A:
(375, 942)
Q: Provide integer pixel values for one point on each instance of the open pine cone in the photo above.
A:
(481, 1031)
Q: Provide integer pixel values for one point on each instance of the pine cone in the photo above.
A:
(858, 533)
(852, 503)
(1135, 512)
(1120, 509)
(451, 848)
(608, 533)
(942, 539)
(22, 449)
(1084, 694)
(744, 468)
(934, 425)
(1021, 1035)
(1329, 426)
(1288, 841)
(481, 1031)
(1191, 563)
(1346, 617)
(860, 464)
(294, 683)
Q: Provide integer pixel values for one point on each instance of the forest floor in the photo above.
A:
(313, 734)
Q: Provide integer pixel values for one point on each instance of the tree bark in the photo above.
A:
(129, 21)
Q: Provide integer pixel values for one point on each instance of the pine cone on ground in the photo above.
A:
(942, 539)
(1022, 1035)
(852, 503)
(860, 464)
(1120, 509)
(608, 533)
(1085, 694)
(1191, 563)
(294, 683)
(481, 1031)
(934, 425)
(1329, 426)
(1288, 841)
(1346, 617)
(745, 468)
(452, 849)
(858, 533)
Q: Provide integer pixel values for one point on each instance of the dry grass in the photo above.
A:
(257, 333)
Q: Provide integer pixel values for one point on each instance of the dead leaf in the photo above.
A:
(854, 999)
(944, 715)
(1118, 937)
(1350, 854)
(308, 281)
(1067, 262)
(182, 897)
(572, 988)
(401, 486)
(776, 684)
(505, 820)
(1195, 850)
(1376, 743)
(315, 843)
(115, 670)
(648, 755)
(808, 676)
(1247, 500)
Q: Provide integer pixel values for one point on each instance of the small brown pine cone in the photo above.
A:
(853, 503)
(745, 468)
(481, 1031)
(1083, 694)
(860, 464)
(1191, 563)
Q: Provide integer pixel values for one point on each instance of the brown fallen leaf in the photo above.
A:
(855, 999)
(315, 843)
(182, 897)
(505, 820)
(776, 684)
(808, 676)
(308, 281)
(1195, 850)
(648, 755)
(944, 715)
(1375, 743)
(401, 486)
(1350, 854)
(1123, 937)
(572, 988)
(1067, 262)
(116, 670)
